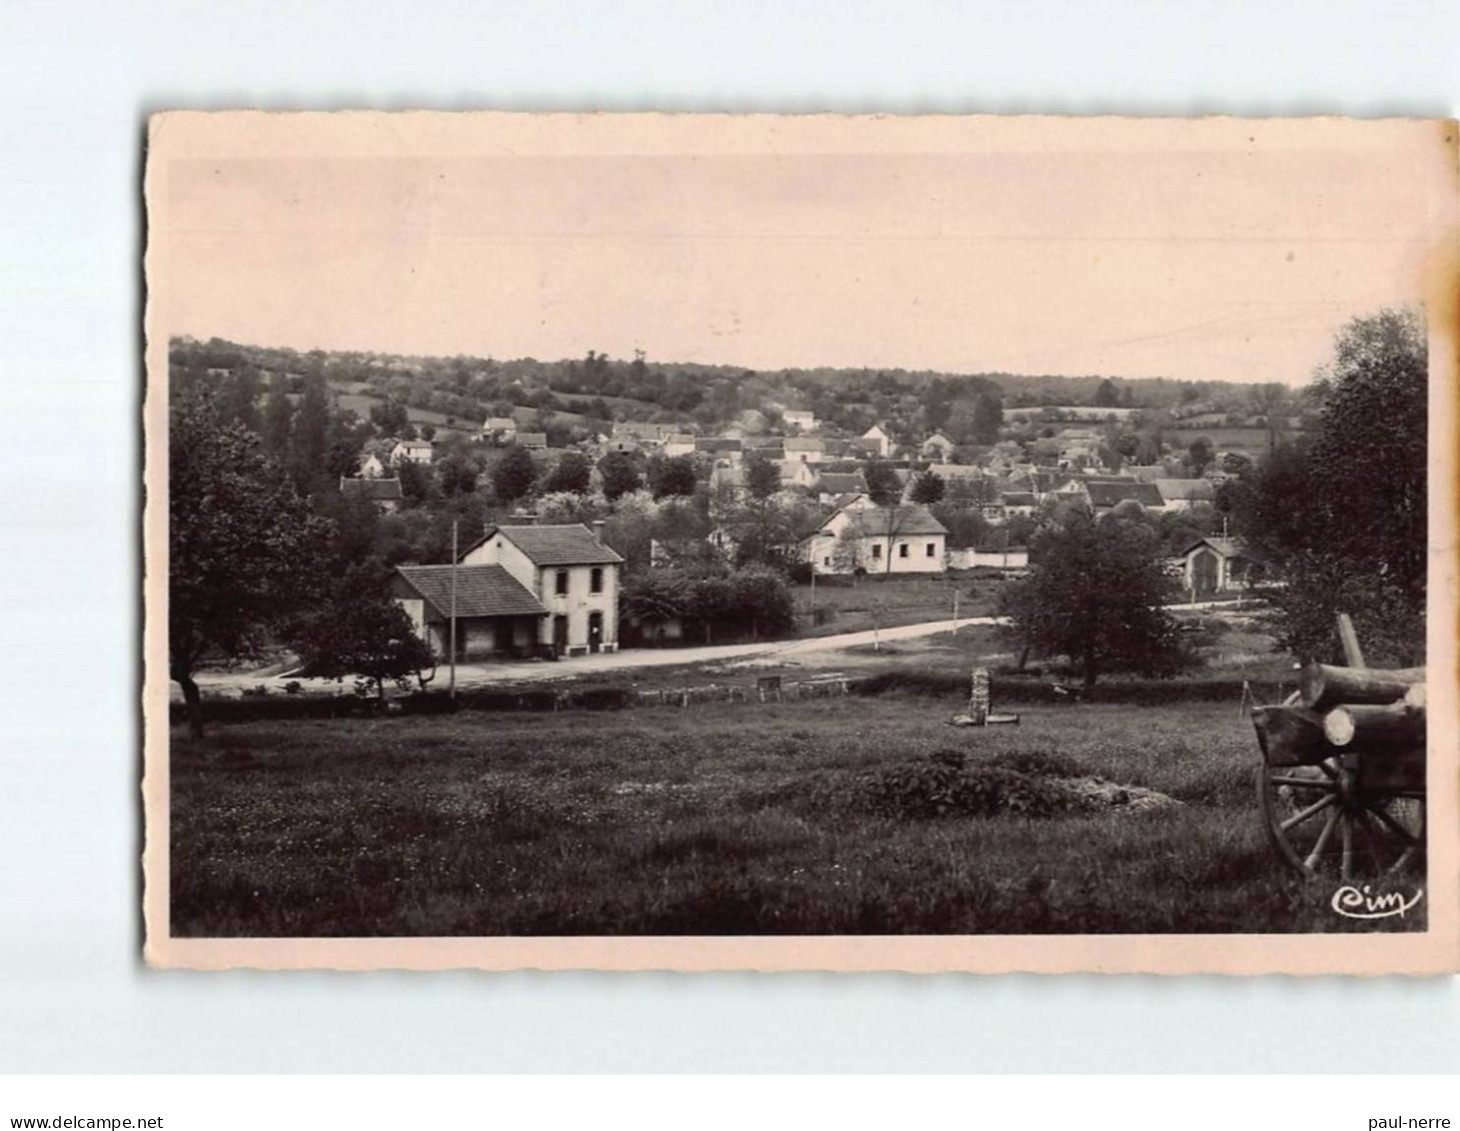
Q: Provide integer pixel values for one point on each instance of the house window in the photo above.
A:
(902, 550)
(931, 552)
(595, 580)
(877, 550)
(561, 585)
(826, 561)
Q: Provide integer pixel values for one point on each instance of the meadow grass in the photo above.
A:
(719, 819)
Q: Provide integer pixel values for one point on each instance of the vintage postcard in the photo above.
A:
(751, 542)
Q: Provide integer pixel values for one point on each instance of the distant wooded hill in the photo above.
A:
(464, 390)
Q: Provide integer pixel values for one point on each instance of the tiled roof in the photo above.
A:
(1107, 493)
(876, 521)
(804, 444)
(838, 483)
(1017, 499)
(717, 444)
(571, 544)
(481, 591)
(1227, 547)
(373, 489)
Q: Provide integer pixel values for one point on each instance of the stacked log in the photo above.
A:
(1345, 709)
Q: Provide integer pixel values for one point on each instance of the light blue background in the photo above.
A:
(76, 82)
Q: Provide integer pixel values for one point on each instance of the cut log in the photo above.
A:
(1323, 685)
(1290, 736)
(1353, 724)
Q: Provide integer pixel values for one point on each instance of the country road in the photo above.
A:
(537, 671)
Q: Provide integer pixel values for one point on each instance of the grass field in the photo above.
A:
(724, 819)
(888, 603)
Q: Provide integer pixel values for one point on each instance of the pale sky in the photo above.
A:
(1230, 263)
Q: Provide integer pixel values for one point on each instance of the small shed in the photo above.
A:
(1210, 566)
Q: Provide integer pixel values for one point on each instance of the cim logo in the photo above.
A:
(1360, 903)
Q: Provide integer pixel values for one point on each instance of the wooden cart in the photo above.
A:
(1341, 787)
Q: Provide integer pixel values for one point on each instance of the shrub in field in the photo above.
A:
(938, 787)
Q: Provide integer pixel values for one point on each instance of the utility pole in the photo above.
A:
(955, 610)
(453, 608)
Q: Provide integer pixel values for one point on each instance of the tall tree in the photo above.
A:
(243, 545)
(311, 435)
(572, 473)
(672, 478)
(988, 418)
(278, 419)
(1344, 520)
(1094, 593)
(883, 486)
(514, 475)
(927, 487)
(1107, 395)
(620, 475)
(762, 479)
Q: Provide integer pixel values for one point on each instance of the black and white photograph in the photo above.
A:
(829, 542)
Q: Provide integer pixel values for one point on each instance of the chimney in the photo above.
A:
(598, 531)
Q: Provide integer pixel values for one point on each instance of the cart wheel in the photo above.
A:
(1323, 826)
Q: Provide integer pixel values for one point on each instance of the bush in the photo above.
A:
(938, 787)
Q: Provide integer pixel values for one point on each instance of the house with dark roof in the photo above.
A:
(386, 494)
(570, 571)
(1104, 495)
(899, 539)
(495, 613)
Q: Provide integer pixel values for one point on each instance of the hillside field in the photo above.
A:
(805, 818)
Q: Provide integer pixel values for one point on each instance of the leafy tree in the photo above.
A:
(514, 475)
(390, 418)
(1343, 520)
(762, 478)
(242, 544)
(1107, 395)
(311, 436)
(988, 418)
(362, 632)
(1094, 594)
(883, 486)
(927, 487)
(620, 475)
(1199, 455)
(457, 474)
(655, 597)
(572, 474)
(673, 477)
(278, 419)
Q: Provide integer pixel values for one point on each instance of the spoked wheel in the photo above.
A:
(1324, 825)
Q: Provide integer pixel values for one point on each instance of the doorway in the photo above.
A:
(595, 631)
(560, 634)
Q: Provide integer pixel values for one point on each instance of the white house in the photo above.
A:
(938, 447)
(571, 573)
(879, 439)
(802, 419)
(499, 429)
(794, 473)
(371, 467)
(415, 451)
(679, 444)
(520, 590)
(901, 539)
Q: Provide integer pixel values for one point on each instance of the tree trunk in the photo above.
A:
(1090, 667)
(194, 700)
(1024, 656)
